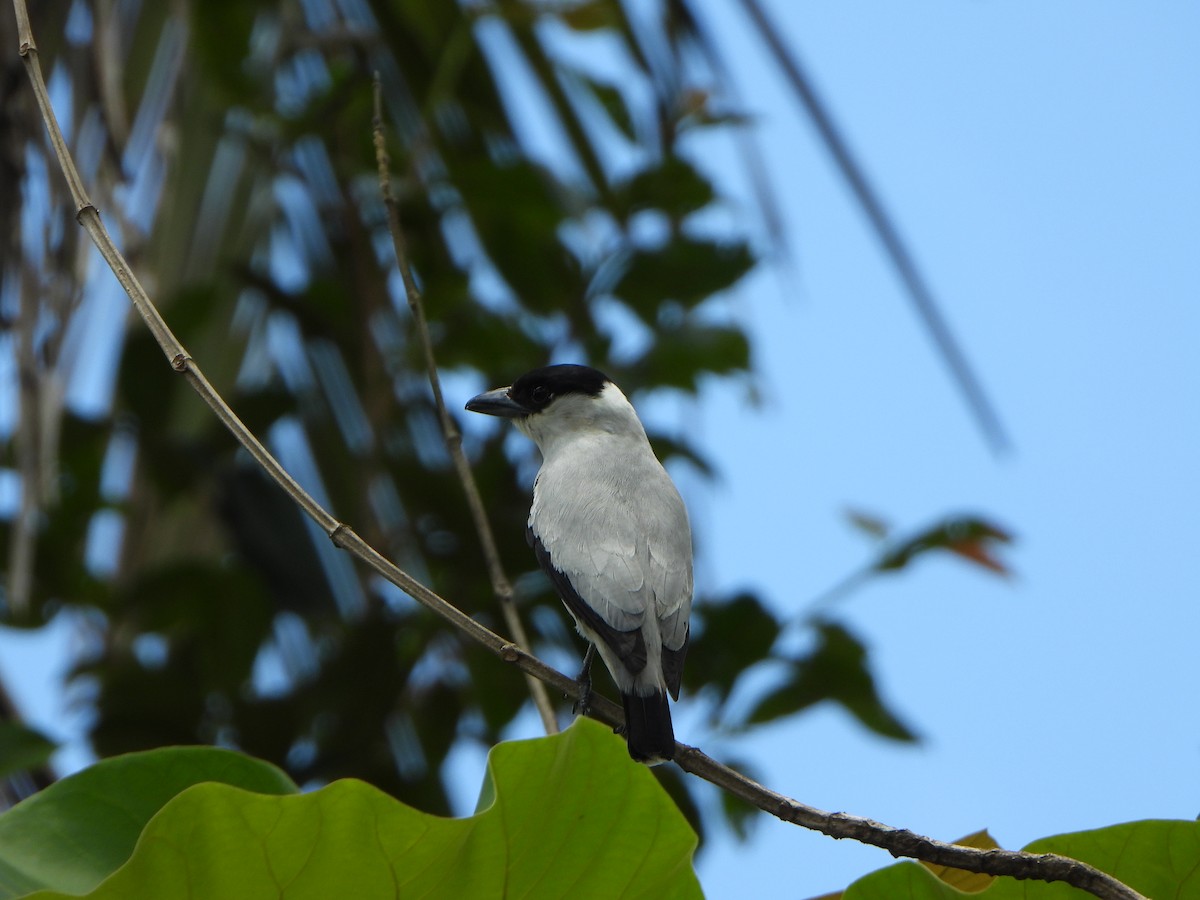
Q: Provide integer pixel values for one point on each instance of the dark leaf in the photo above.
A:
(60, 571)
(685, 270)
(498, 692)
(476, 336)
(590, 15)
(517, 215)
(836, 670)
(22, 748)
(269, 533)
(139, 707)
(673, 187)
(612, 100)
(213, 618)
(682, 355)
(220, 40)
(728, 637)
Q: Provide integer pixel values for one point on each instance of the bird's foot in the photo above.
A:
(581, 706)
(584, 680)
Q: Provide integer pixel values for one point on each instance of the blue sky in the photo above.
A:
(1041, 160)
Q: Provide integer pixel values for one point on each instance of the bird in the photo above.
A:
(610, 530)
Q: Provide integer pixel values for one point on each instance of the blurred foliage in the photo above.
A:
(22, 748)
(549, 193)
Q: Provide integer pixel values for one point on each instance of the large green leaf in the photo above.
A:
(1156, 858)
(75, 833)
(556, 814)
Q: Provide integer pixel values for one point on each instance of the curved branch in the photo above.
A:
(899, 842)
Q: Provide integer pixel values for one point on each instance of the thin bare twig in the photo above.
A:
(1042, 867)
(23, 546)
(501, 586)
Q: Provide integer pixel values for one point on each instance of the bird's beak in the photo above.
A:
(497, 403)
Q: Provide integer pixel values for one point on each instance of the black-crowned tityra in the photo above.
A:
(611, 532)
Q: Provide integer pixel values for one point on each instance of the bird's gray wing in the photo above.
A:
(670, 581)
(628, 643)
(669, 574)
(618, 553)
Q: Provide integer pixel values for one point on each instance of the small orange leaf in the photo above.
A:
(969, 538)
(970, 882)
(977, 552)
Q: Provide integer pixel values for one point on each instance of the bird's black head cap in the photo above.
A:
(536, 390)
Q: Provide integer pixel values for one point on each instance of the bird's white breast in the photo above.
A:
(614, 523)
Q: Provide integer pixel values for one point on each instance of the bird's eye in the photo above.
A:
(541, 394)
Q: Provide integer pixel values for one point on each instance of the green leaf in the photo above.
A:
(1156, 858)
(555, 813)
(22, 748)
(516, 212)
(192, 604)
(730, 636)
(675, 187)
(1159, 858)
(216, 41)
(612, 101)
(681, 355)
(836, 670)
(76, 832)
(686, 270)
(909, 880)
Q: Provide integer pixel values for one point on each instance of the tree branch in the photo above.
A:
(899, 842)
(501, 586)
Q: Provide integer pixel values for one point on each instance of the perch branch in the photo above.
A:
(899, 842)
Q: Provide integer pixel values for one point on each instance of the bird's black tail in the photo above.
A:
(648, 728)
